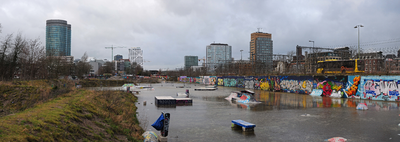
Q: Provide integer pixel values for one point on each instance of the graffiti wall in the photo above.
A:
(385, 88)
(220, 81)
(296, 84)
(240, 82)
(230, 81)
(249, 82)
(331, 85)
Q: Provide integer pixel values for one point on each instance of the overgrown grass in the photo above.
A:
(20, 95)
(80, 115)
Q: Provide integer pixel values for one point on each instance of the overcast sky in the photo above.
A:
(168, 30)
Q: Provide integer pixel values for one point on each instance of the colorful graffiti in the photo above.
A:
(249, 83)
(385, 88)
(296, 86)
(240, 82)
(230, 82)
(332, 87)
(352, 86)
(220, 82)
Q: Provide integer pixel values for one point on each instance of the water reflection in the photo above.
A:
(241, 132)
(281, 100)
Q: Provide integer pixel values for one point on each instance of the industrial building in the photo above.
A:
(217, 54)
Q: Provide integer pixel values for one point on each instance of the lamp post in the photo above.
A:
(241, 54)
(358, 49)
(312, 43)
(240, 63)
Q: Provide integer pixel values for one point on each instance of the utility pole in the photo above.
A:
(316, 55)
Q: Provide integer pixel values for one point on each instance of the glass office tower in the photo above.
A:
(58, 38)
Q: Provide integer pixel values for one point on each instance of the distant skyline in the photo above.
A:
(167, 31)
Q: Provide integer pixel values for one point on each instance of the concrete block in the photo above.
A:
(162, 139)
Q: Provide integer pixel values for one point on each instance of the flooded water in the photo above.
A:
(279, 117)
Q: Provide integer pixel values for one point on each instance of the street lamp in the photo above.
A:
(312, 42)
(358, 49)
(241, 54)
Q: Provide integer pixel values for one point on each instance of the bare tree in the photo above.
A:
(31, 58)
(106, 68)
(5, 51)
(19, 44)
(83, 67)
(138, 69)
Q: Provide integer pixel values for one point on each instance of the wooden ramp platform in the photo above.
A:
(168, 101)
(205, 89)
(246, 126)
(184, 101)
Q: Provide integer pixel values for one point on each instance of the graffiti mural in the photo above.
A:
(276, 81)
(257, 83)
(206, 80)
(332, 86)
(198, 80)
(240, 82)
(295, 84)
(383, 88)
(213, 80)
(233, 82)
(220, 81)
(227, 82)
(352, 86)
(249, 83)
(182, 78)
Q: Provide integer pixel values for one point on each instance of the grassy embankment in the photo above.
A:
(79, 115)
(20, 95)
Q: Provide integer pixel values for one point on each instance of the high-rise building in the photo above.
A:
(136, 55)
(58, 38)
(217, 54)
(191, 61)
(117, 57)
(261, 49)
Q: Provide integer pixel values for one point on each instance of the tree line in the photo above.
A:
(26, 59)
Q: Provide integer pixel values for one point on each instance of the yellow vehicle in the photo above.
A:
(340, 66)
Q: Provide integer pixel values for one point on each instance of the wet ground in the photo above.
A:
(279, 117)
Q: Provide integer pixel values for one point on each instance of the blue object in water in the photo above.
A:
(158, 125)
(243, 123)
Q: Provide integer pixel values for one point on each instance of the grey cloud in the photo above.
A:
(169, 30)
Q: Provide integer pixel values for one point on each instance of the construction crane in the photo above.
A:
(112, 51)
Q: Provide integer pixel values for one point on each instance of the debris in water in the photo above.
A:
(336, 139)
(305, 115)
(362, 106)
